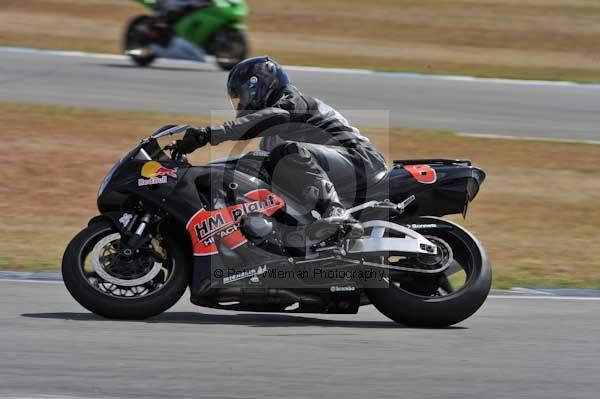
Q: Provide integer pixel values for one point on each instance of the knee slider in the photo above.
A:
(294, 148)
(292, 151)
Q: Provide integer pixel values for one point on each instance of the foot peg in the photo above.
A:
(325, 229)
(354, 230)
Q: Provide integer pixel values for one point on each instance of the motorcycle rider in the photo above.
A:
(173, 10)
(168, 45)
(311, 146)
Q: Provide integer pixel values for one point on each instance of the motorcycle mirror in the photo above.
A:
(170, 131)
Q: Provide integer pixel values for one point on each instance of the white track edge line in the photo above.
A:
(459, 78)
(21, 280)
(530, 291)
(564, 298)
(527, 138)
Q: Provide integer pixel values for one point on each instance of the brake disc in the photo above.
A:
(99, 268)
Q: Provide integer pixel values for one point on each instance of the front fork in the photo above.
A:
(139, 235)
(134, 228)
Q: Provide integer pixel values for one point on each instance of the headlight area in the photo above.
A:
(108, 177)
(137, 153)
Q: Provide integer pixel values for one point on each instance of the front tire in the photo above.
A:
(430, 301)
(127, 301)
(137, 37)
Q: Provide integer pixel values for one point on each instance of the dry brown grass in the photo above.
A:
(550, 39)
(538, 213)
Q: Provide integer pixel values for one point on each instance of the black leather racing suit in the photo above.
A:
(310, 147)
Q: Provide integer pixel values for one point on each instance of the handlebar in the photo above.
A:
(170, 130)
(170, 147)
(167, 130)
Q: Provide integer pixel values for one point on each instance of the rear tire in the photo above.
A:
(419, 310)
(78, 282)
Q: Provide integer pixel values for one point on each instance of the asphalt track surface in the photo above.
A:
(495, 107)
(512, 348)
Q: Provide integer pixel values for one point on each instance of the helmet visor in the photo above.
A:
(240, 100)
(235, 103)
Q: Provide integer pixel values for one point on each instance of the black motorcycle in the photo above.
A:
(240, 244)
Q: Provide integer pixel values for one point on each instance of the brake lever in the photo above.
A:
(173, 148)
(170, 147)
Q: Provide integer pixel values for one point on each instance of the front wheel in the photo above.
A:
(444, 299)
(229, 46)
(139, 34)
(117, 282)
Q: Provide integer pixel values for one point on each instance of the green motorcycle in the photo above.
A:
(217, 30)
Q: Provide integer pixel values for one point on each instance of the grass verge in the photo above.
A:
(531, 39)
(538, 213)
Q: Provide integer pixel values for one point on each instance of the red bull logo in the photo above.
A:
(155, 173)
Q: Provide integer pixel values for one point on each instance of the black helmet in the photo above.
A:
(253, 82)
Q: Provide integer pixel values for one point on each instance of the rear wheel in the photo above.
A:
(114, 281)
(229, 46)
(138, 37)
(445, 298)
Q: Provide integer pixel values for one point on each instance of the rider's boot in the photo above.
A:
(334, 214)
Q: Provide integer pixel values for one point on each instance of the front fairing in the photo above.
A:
(233, 10)
(127, 177)
(111, 173)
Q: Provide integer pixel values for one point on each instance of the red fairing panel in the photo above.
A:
(205, 225)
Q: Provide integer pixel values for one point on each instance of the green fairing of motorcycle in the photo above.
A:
(219, 30)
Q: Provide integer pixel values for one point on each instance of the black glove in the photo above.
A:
(192, 140)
